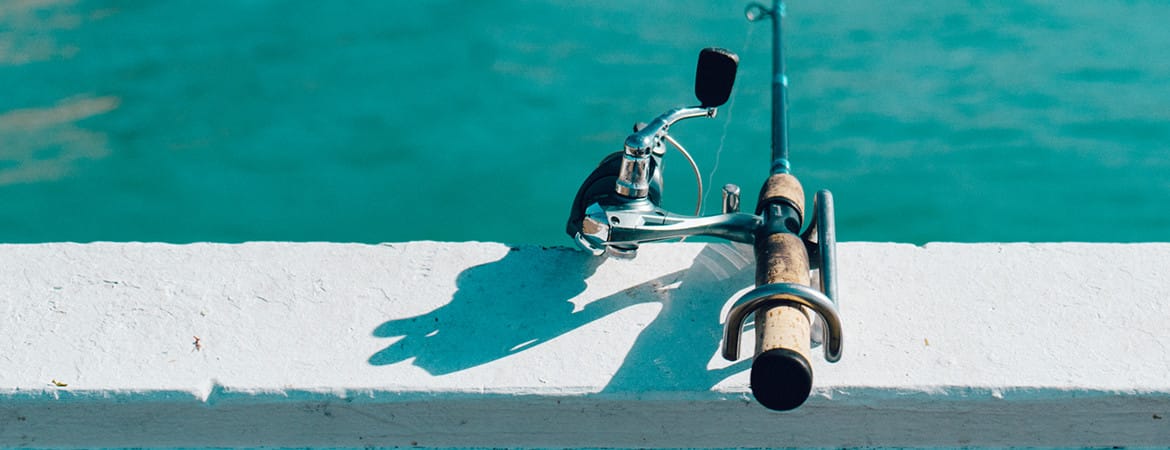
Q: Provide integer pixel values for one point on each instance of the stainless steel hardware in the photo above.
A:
(730, 198)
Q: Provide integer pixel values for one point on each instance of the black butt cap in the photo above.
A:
(781, 379)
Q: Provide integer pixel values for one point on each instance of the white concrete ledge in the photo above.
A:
(479, 344)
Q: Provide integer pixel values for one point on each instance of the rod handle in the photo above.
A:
(781, 376)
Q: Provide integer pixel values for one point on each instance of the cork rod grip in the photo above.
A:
(781, 376)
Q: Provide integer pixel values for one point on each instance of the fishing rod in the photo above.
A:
(617, 209)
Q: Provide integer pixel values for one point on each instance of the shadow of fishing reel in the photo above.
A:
(617, 208)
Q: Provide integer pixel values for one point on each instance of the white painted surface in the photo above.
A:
(480, 344)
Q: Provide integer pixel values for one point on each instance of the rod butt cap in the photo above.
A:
(781, 379)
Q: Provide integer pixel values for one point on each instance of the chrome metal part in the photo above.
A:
(821, 242)
(826, 232)
(778, 294)
(730, 198)
(622, 251)
(826, 242)
(584, 244)
(595, 230)
(629, 227)
(641, 142)
(634, 177)
(629, 224)
(698, 176)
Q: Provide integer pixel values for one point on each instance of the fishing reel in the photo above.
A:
(617, 208)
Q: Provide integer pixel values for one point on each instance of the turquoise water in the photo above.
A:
(391, 121)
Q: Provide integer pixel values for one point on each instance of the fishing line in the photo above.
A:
(747, 40)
